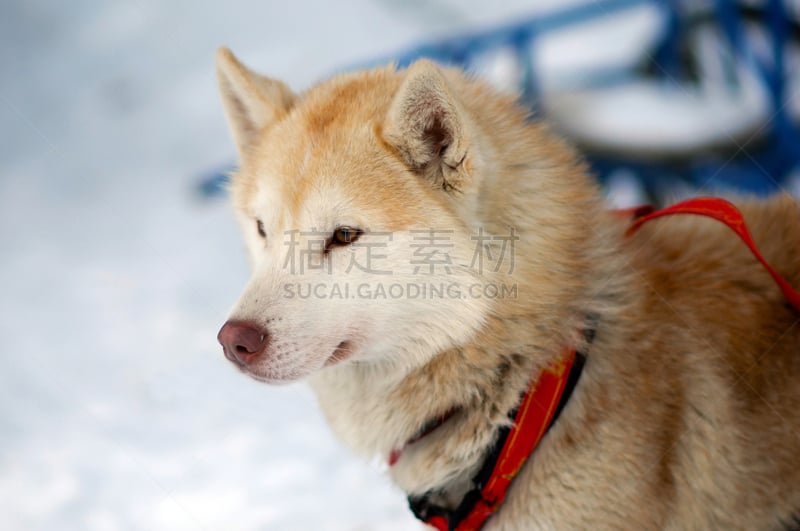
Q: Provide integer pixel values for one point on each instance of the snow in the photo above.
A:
(117, 409)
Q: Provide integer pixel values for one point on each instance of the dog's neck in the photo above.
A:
(377, 407)
(376, 413)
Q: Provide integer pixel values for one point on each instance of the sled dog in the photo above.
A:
(442, 270)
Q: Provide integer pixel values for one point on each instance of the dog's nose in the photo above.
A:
(242, 342)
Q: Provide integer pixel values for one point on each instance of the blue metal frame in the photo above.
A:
(760, 169)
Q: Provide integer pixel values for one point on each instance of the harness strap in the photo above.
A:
(724, 212)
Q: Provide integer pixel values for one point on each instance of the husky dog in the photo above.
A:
(422, 251)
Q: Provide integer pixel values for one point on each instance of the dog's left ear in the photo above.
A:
(426, 125)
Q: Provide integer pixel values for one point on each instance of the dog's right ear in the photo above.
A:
(251, 101)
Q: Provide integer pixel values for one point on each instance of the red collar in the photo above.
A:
(537, 411)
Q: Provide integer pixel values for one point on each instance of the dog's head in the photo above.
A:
(353, 199)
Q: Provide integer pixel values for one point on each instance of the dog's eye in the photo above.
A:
(260, 227)
(345, 236)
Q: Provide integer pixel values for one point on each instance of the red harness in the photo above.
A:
(724, 212)
(541, 403)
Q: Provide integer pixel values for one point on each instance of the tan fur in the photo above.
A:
(687, 415)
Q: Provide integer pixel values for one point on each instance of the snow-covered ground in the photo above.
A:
(117, 409)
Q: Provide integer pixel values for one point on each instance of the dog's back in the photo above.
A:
(717, 330)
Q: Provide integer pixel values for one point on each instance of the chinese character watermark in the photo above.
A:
(486, 243)
(432, 250)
